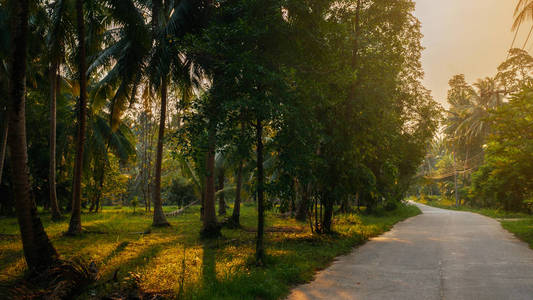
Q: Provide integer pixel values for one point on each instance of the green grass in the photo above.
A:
(175, 262)
(519, 224)
(522, 229)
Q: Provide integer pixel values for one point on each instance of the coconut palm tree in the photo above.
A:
(487, 97)
(523, 12)
(159, 79)
(144, 56)
(174, 20)
(38, 249)
(57, 38)
(467, 121)
(75, 219)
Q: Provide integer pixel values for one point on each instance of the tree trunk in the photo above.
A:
(3, 143)
(75, 219)
(259, 250)
(328, 213)
(159, 216)
(202, 204)
(38, 250)
(144, 163)
(235, 217)
(100, 185)
(355, 59)
(94, 191)
(303, 205)
(346, 206)
(54, 207)
(221, 200)
(210, 225)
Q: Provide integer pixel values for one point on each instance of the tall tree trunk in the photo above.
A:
(159, 215)
(355, 59)
(328, 212)
(221, 200)
(259, 250)
(94, 191)
(144, 163)
(303, 205)
(54, 207)
(346, 206)
(235, 217)
(100, 186)
(38, 249)
(3, 142)
(149, 160)
(75, 219)
(202, 204)
(210, 225)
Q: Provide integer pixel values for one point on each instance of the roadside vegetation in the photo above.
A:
(481, 159)
(133, 258)
(269, 122)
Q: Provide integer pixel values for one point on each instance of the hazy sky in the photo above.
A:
(468, 37)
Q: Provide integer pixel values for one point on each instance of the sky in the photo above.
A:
(469, 37)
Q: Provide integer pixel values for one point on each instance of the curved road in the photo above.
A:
(440, 254)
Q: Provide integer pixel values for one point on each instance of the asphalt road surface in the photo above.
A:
(440, 254)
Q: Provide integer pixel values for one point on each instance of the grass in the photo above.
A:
(175, 262)
(519, 224)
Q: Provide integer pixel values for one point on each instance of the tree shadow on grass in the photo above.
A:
(123, 280)
(209, 274)
(120, 247)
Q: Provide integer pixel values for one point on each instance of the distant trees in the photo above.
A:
(484, 162)
(505, 178)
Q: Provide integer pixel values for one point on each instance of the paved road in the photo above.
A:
(440, 254)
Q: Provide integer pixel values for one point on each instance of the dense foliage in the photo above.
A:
(301, 106)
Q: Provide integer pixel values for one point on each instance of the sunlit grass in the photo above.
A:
(174, 261)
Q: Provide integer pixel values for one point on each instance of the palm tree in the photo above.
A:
(487, 97)
(143, 53)
(38, 249)
(468, 124)
(75, 219)
(166, 60)
(161, 80)
(132, 51)
(523, 11)
(55, 40)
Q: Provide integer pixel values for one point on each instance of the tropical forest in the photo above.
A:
(252, 149)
